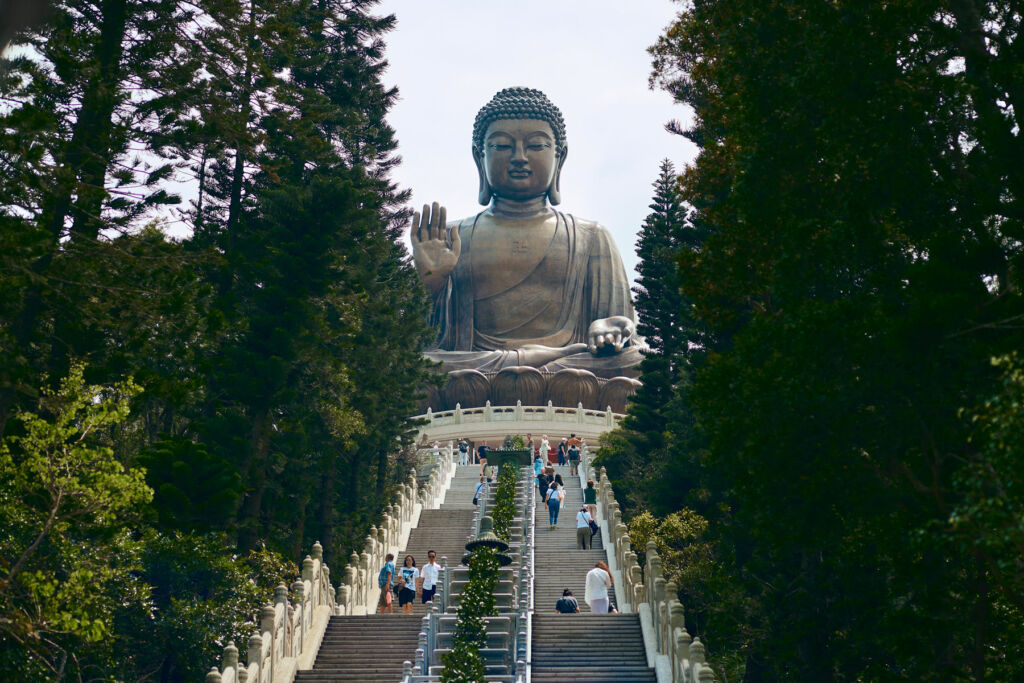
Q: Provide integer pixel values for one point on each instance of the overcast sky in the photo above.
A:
(589, 57)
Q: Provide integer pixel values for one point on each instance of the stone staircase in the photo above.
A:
(373, 648)
(364, 649)
(558, 564)
(598, 648)
(566, 648)
(446, 529)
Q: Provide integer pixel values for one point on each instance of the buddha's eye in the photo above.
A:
(538, 146)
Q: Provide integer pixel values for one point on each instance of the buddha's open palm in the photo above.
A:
(609, 335)
(434, 252)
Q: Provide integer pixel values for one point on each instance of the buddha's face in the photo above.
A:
(519, 158)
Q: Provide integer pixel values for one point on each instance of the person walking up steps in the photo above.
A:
(481, 454)
(583, 534)
(481, 491)
(463, 452)
(590, 498)
(563, 451)
(599, 580)
(555, 501)
(429, 576)
(407, 576)
(574, 459)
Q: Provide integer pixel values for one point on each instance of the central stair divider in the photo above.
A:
(508, 634)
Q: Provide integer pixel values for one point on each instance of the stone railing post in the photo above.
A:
(647, 585)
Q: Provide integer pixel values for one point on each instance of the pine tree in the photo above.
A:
(636, 454)
(855, 165)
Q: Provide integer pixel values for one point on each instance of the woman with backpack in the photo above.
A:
(555, 500)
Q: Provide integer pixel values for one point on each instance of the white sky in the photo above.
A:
(589, 57)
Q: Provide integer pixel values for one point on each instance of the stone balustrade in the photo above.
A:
(495, 422)
(290, 629)
(676, 656)
(287, 627)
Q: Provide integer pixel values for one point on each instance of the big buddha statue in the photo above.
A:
(521, 284)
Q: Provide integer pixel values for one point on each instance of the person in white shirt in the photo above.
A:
(583, 520)
(429, 576)
(545, 446)
(599, 580)
(407, 576)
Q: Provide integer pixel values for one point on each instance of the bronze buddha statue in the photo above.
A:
(520, 283)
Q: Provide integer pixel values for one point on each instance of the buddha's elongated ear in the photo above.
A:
(554, 191)
(484, 194)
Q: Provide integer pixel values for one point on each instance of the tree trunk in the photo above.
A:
(90, 147)
(255, 484)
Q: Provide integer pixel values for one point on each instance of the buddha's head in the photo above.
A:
(519, 146)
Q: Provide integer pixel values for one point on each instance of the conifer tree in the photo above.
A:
(636, 455)
(860, 166)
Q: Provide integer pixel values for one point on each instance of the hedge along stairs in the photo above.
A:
(374, 647)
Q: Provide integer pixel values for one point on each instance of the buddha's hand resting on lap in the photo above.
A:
(609, 335)
(434, 254)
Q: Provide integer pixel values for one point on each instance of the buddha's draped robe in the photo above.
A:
(579, 279)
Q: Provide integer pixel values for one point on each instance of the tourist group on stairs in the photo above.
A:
(407, 582)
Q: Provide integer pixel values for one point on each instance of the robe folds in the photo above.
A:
(579, 279)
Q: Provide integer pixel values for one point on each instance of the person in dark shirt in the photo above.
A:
(481, 454)
(567, 603)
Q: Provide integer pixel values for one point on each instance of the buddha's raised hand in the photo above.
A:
(434, 252)
(609, 335)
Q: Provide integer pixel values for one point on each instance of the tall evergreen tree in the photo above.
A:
(856, 170)
(278, 348)
(636, 455)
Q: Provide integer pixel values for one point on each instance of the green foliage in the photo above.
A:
(194, 490)
(65, 497)
(278, 345)
(505, 502)
(639, 454)
(200, 593)
(463, 664)
(860, 184)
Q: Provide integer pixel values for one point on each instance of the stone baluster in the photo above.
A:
(302, 603)
(229, 659)
(255, 655)
(676, 623)
(267, 629)
(683, 641)
(213, 676)
(421, 652)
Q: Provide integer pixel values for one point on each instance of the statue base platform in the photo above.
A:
(529, 386)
